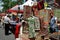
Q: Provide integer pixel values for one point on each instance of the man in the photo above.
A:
(53, 23)
(6, 22)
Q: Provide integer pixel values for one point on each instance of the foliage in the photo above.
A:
(9, 4)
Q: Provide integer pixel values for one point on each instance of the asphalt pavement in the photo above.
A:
(24, 36)
(5, 37)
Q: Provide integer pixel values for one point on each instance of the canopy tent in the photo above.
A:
(29, 3)
(15, 8)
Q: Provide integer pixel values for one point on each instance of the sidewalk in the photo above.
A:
(25, 37)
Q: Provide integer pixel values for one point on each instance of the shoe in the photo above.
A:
(17, 38)
(10, 33)
(6, 34)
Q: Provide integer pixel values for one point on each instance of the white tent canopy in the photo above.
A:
(29, 3)
(16, 7)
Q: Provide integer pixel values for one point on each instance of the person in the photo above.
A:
(13, 21)
(53, 23)
(6, 22)
(19, 28)
(31, 22)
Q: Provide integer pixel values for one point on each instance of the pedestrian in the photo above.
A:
(13, 21)
(31, 24)
(6, 22)
(53, 23)
(19, 28)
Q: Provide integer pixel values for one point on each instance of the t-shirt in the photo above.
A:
(6, 19)
(12, 22)
(53, 22)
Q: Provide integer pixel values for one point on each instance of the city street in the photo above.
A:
(29, 19)
(11, 36)
(4, 37)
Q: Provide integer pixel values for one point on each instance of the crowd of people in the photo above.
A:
(14, 23)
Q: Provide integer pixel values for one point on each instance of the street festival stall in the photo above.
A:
(27, 7)
(42, 14)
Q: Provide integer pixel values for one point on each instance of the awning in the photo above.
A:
(15, 9)
(20, 11)
(2, 14)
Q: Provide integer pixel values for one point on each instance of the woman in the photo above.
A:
(53, 23)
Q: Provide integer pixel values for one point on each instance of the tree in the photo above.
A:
(9, 4)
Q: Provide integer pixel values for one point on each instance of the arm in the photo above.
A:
(56, 4)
